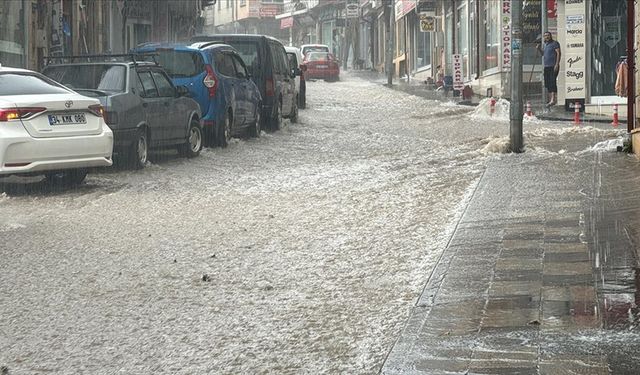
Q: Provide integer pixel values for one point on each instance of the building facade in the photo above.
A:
(82, 27)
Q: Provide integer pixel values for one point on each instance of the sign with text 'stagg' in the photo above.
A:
(574, 54)
(427, 23)
(505, 36)
(458, 84)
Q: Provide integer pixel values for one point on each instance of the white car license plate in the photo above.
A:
(323, 66)
(67, 119)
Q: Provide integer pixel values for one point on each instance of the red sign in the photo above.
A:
(269, 11)
(552, 8)
(286, 23)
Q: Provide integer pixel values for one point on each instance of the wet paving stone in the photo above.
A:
(560, 247)
(520, 302)
(515, 288)
(567, 257)
(518, 275)
(572, 280)
(531, 252)
(501, 318)
(568, 269)
(513, 264)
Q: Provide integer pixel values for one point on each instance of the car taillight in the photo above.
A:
(8, 114)
(111, 117)
(269, 88)
(97, 110)
(210, 81)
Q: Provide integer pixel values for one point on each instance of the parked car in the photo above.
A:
(45, 128)
(142, 106)
(322, 65)
(217, 79)
(266, 61)
(295, 62)
(306, 48)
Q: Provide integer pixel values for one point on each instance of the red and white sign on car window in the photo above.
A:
(457, 72)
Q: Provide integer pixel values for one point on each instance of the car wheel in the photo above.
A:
(193, 144)
(276, 120)
(224, 131)
(256, 129)
(294, 111)
(139, 153)
(71, 177)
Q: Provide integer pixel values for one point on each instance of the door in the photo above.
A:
(173, 109)
(244, 94)
(608, 44)
(152, 107)
(230, 86)
(282, 77)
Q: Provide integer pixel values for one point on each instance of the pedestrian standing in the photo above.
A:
(551, 60)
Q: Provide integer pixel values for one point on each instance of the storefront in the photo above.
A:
(12, 34)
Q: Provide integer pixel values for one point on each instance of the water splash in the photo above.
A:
(483, 110)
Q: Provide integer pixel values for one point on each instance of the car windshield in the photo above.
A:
(249, 53)
(318, 56)
(315, 49)
(102, 77)
(180, 63)
(27, 84)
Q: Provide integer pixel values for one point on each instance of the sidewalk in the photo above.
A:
(539, 277)
(419, 88)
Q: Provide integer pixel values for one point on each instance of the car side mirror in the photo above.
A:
(297, 72)
(182, 91)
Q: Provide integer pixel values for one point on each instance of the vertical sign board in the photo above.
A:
(574, 55)
(505, 37)
(457, 72)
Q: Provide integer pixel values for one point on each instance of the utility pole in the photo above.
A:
(631, 64)
(515, 112)
(388, 8)
(543, 29)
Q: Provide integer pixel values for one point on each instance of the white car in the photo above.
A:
(306, 48)
(48, 129)
(295, 61)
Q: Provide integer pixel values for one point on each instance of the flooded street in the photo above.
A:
(302, 251)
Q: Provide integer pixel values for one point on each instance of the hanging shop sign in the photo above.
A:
(458, 84)
(404, 7)
(286, 23)
(352, 9)
(506, 35)
(427, 23)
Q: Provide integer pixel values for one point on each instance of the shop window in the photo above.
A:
(491, 34)
(423, 49)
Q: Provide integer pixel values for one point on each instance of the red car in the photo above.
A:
(321, 65)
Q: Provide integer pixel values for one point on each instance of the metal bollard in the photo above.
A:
(492, 107)
(576, 113)
(615, 115)
(529, 112)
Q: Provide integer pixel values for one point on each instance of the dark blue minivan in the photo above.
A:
(219, 81)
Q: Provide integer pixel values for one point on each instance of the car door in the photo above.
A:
(282, 77)
(175, 117)
(231, 88)
(152, 106)
(245, 90)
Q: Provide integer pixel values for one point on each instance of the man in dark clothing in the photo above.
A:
(551, 60)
